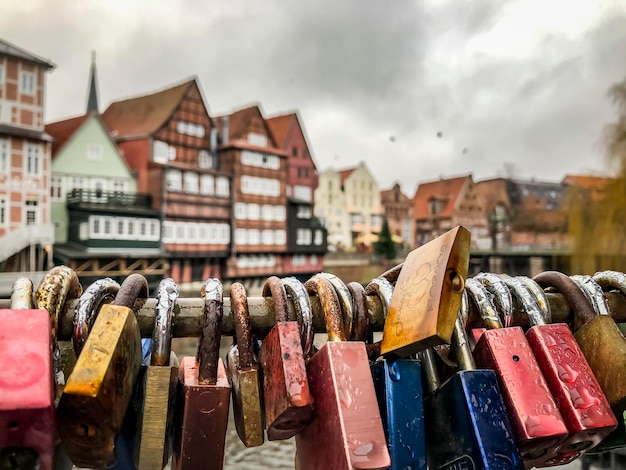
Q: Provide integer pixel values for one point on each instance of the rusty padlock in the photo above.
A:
(92, 408)
(346, 431)
(302, 306)
(203, 394)
(361, 326)
(438, 266)
(582, 404)
(158, 387)
(345, 301)
(535, 418)
(28, 432)
(243, 370)
(287, 401)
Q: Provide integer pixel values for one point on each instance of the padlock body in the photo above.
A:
(537, 423)
(153, 444)
(346, 431)
(424, 286)
(582, 403)
(92, 408)
(201, 419)
(247, 404)
(398, 386)
(26, 387)
(467, 425)
(286, 396)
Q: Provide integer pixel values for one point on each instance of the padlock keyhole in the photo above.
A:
(516, 358)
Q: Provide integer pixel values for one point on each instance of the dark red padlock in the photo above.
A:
(346, 431)
(583, 406)
(28, 430)
(533, 412)
(287, 399)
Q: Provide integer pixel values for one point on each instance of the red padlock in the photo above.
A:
(28, 431)
(585, 409)
(535, 417)
(346, 431)
(287, 401)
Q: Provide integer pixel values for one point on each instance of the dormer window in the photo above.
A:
(259, 140)
(435, 206)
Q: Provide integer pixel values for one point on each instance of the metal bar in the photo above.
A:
(188, 315)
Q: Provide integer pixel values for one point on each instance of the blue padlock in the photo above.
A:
(398, 385)
(466, 421)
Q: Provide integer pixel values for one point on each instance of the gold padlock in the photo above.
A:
(154, 422)
(431, 283)
(243, 370)
(92, 408)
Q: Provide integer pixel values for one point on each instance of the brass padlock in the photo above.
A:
(243, 370)
(431, 282)
(92, 408)
(59, 284)
(158, 387)
(203, 394)
(287, 401)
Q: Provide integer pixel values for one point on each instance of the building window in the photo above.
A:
(174, 180)
(294, 151)
(56, 188)
(94, 152)
(304, 212)
(267, 212)
(257, 139)
(191, 182)
(205, 159)
(222, 187)
(313, 260)
(240, 210)
(27, 83)
(119, 186)
(33, 160)
(241, 236)
(303, 236)
(1, 73)
(268, 237)
(78, 182)
(4, 156)
(107, 226)
(260, 186)
(160, 151)
(377, 220)
(280, 237)
(254, 237)
(319, 237)
(32, 212)
(189, 128)
(3, 212)
(260, 160)
(254, 211)
(207, 185)
(281, 213)
(304, 193)
(120, 227)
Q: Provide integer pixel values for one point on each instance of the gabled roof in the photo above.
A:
(12, 50)
(344, 174)
(61, 131)
(586, 181)
(388, 195)
(279, 125)
(445, 190)
(144, 115)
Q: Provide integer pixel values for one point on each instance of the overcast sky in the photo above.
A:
(521, 86)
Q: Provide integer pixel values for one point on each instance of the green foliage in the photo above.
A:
(385, 245)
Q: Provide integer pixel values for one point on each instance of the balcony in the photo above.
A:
(108, 200)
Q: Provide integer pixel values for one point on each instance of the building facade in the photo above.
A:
(398, 210)
(26, 234)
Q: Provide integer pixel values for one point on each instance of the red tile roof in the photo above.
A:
(344, 174)
(61, 131)
(239, 126)
(594, 184)
(144, 115)
(447, 190)
(279, 125)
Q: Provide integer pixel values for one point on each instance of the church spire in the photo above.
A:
(92, 98)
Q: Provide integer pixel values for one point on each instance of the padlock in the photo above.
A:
(398, 385)
(286, 397)
(537, 423)
(593, 292)
(346, 431)
(59, 284)
(439, 266)
(92, 408)
(603, 346)
(582, 404)
(157, 388)
(28, 432)
(466, 419)
(243, 370)
(345, 300)
(203, 396)
(302, 306)
(360, 331)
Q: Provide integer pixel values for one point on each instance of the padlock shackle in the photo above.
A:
(304, 312)
(526, 300)
(167, 294)
(576, 299)
(460, 341)
(325, 291)
(540, 297)
(243, 333)
(209, 344)
(22, 294)
(481, 297)
(89, 303)
(609, 280)
(382, 288)
(133, 288)
(274, 288)
(429, 366)
(345, 301)
(361, 318)
(500, 296)
(593, 292)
